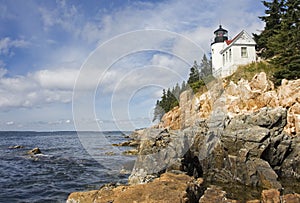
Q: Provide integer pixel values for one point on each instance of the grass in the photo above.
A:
(248, 71)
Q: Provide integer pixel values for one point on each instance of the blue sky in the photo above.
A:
(45, 46)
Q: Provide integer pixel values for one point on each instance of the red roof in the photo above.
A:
(231, 40)
(228, 41)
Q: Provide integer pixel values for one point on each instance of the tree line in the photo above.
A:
(170, 97)
(279, 42)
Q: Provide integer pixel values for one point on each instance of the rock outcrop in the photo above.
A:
(215, 194)
(250, 149)
(175, 188)
(243, 97)
(34, 151)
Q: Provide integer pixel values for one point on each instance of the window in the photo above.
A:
(226, 56)
(244, 53)
(230, 55)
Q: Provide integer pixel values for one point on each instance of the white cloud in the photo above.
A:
(91, 32)
(34, 90)
(63, 15)
(56, 79)
(6, 44)
(10, 123)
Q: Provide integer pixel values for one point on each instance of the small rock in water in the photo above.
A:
(34, 151)
(131, 152)
(16, 147)
(110, 153)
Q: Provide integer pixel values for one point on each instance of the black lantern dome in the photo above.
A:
(220, 35)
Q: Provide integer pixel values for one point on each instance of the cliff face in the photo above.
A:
(236, 99)
(230, 140)
(243, 156)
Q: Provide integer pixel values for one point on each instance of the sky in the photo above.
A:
(102, 64)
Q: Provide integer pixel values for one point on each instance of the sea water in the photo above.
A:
(64, 166)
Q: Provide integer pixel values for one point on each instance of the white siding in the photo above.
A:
(217, 58)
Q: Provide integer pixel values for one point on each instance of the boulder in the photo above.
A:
(289, 92)
(293, 119)
(130, 143)
(110, 153)
(291, 198)
(270, 196)
(130, 152)
(34, 151)
(214, 194)
(16, 147)
(277, 150)
(261, 83)
(290, 168)
(261, 174)
(159, 150)
(254, 201)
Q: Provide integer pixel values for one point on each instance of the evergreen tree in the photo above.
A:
(183, 86)
(177, 91)
(205, 67)
(158, 112)
(194, 73)
(280, 39)
(286, 43)
(272, 26)
(163, 102)
(168, 104)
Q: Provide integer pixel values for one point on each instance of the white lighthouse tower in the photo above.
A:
(221, 35)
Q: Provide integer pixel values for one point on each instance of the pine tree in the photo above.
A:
(177, 91)
(168, 105)
(183, 86)
(158, 112)
(194, 73)
(273, 23)
(280, 39)
(205, 67)
(286, 43)
(163, 101)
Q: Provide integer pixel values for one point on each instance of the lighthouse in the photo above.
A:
(227, 54)
(221, 35)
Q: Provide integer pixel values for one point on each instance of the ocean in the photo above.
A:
(64, 166)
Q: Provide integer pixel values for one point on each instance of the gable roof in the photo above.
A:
(232, 42)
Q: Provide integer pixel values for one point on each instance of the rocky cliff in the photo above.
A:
(234, 143)
(236, 99)
(219, 159)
